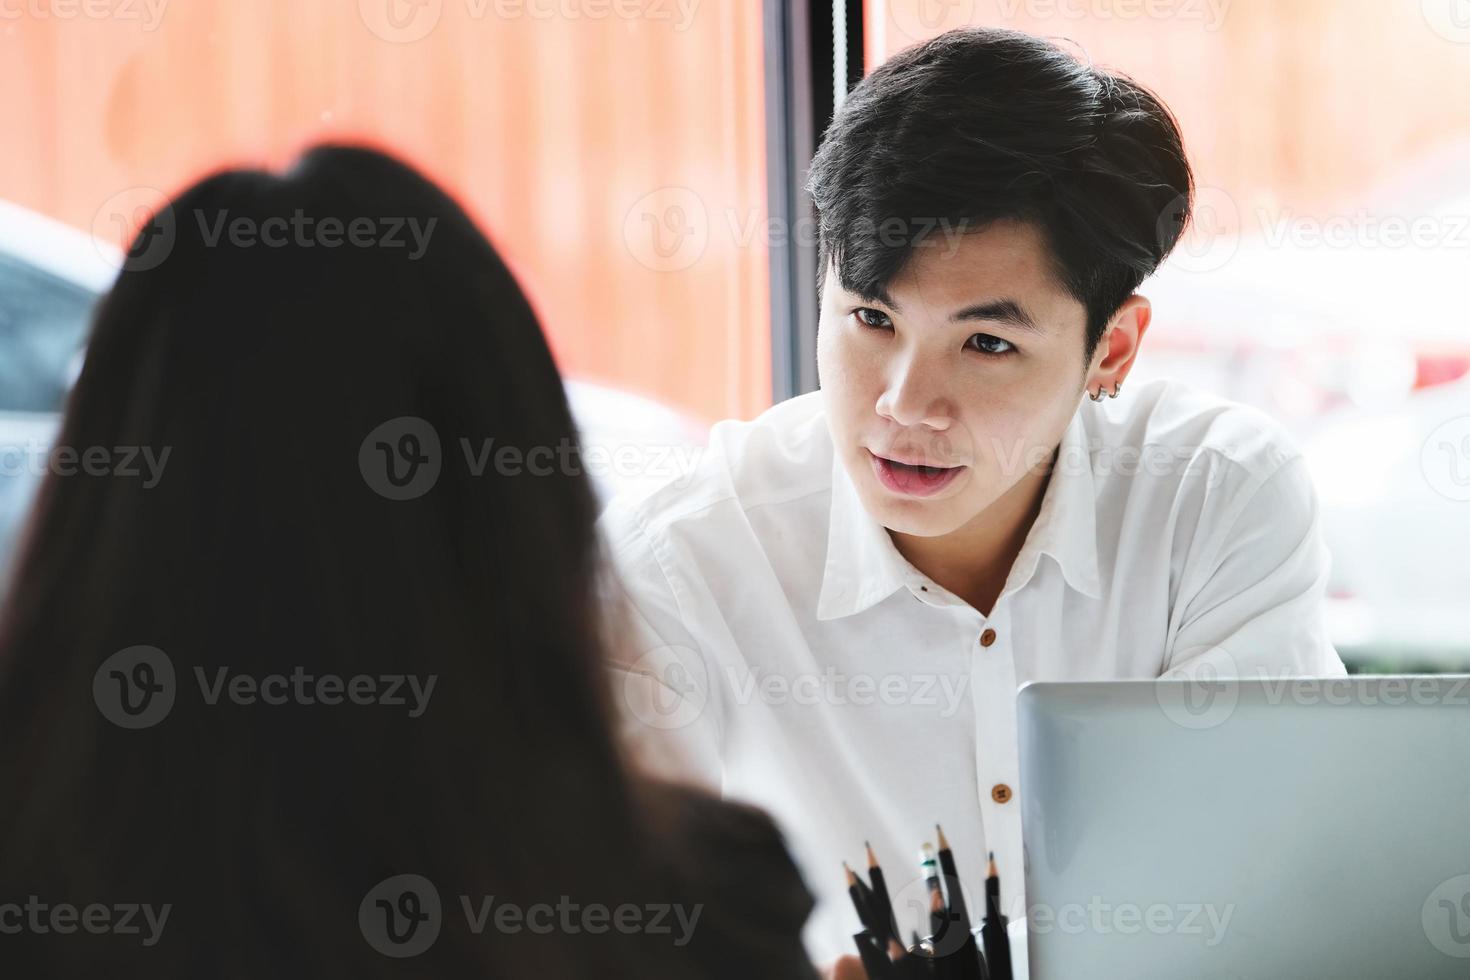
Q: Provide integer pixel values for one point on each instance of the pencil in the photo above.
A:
(952, 881)
(930, 869)
(997, 942)
(883, 905)
(860, 899)
(969, 950)
(908, 965)
(875, 964)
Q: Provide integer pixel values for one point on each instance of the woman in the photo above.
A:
(323, 696)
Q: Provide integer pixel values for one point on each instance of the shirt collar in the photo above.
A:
(863, 567)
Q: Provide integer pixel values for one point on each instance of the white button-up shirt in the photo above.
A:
(776, 647)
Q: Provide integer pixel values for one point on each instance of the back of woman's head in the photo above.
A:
(361, 545)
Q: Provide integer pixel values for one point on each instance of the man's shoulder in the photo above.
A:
(781, 455)
(1187, 430)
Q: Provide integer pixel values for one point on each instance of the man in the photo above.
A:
(831, 619)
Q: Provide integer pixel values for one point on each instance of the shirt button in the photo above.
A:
(1000, 793)
(987, 638)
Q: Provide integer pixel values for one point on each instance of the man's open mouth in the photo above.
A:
(912, 479)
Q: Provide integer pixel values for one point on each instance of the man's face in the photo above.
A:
(948, 375)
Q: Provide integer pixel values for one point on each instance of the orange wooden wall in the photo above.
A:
(572, 138)
(1300, 104)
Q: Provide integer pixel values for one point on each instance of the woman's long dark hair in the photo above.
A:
(259, 346)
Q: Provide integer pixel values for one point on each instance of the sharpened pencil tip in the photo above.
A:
(943, 841)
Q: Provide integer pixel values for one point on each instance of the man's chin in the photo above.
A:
(918, 517)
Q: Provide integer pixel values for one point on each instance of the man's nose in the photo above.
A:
(915, 397)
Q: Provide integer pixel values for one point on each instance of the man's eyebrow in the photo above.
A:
(1006, 311)
(876, 294)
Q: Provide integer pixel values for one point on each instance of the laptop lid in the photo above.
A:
(1312, 827)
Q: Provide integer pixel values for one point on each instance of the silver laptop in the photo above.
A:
(1313, 828)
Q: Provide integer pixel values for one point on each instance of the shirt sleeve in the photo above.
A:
(667, 711)
(1258, 610)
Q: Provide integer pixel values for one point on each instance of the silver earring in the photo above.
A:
(1117, 386)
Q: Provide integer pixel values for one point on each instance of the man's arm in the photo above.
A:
(1257, 607)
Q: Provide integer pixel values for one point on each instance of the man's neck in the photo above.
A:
(975, 560)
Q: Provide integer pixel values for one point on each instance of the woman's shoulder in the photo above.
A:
(703, 818)
(729, 863)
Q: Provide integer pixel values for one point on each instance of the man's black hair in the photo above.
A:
(983, 124)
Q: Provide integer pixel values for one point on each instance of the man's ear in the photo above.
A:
(1120, 342)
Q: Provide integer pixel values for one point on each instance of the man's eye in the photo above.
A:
(872, 318)
(993, 346)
